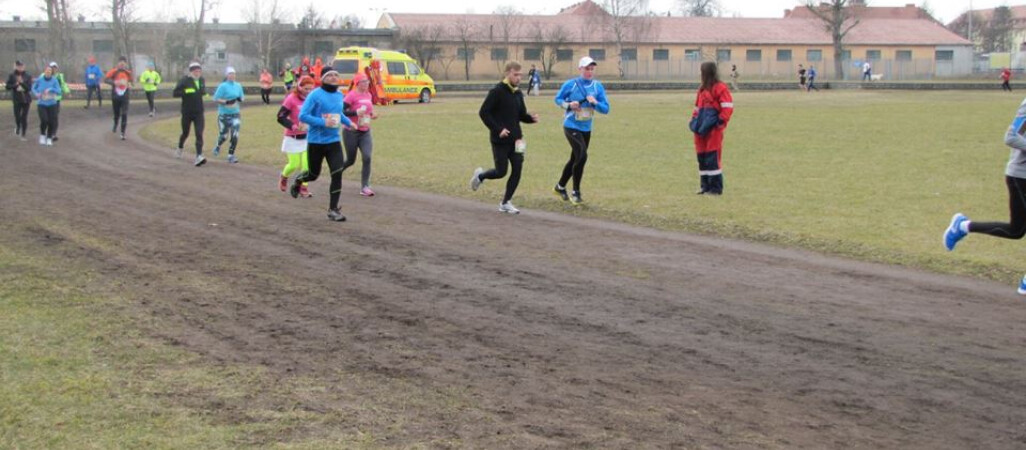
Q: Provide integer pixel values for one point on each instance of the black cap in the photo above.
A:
(19, 63)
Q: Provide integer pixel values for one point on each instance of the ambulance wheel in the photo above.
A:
(425, 96)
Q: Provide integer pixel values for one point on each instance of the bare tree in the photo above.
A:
(265, 18)
(122, 23)
(510, 20)
(58, 17)
(465, 32)
(627, 22)
(551, 38)
(350, 22)
(698, 8)
(961, 26)
(997, 32)
(199, 44)
(838, 18)
(422, 43)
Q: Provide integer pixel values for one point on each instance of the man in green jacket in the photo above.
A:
(150, 79)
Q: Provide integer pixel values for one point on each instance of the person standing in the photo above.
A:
(229, 97)
(191, 89)
(812, 80)
(502, 111)
(1006, 78)
(534, 81)
(150, 80)
(801, 77)
(867, 71)
(19, 83)
(64, 90)
(265, 86)
(713, 107)
(322, 112)
(735, 79)
(120, 80)
(287, 77)
(47, 89)
(580, 98)
(1015, 180)
(293, 145)
(359, 108)
(93, 77)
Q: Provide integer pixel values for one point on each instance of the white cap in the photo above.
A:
(53, 63)
(585, 62)
(229, 70)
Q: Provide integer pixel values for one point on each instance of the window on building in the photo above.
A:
(903, 55)
(222, 55)
(432, 53)
(103, 45)
(500, 54)
(845, 55)
(464, 54)
(783, 55)
(873, 55)
(814, 55)
(323, 48)
(564, 54)
(598, 54)
(396, 68)
(753, 55)
(723, 54)
(945, 55)
(693, 54)
(661, 54)
(629, 54)
(24, 45)
(532, 54)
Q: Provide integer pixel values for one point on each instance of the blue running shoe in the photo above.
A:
(1022, 286)
(954, 232)
(217, 150)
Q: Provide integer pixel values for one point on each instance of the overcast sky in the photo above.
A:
(233, 10)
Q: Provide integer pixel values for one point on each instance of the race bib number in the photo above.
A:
(583, 114)
(92, 76)
(520, 146)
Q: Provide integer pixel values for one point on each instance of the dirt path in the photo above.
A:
(553, 330)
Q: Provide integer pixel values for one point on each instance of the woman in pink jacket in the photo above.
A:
(359, 108)
(294, 142)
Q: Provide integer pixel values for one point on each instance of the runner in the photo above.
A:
(20, 84)
(1015, 180)
(120, 79)
(1006, 78)
(265, 86)
(322, 111)
(294, 142)
(812, 80)
(191, 89)
(581, 98)
(801, 77)
(287, 77)
(359, 108)
(93, 77)
(713, 108)
(64, 90)
(229, 97)
(47, 90)
(150, 80)
(534, 81)
(502, 111)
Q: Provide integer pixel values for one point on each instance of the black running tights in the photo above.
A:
(1016, 228)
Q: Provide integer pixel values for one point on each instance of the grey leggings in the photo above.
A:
(359, 140)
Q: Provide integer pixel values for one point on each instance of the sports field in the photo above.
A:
(873, 175)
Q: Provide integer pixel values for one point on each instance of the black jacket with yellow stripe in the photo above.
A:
(191, 91)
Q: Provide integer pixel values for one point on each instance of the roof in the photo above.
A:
(585, 8)
(1018, 14)
(697, 30)
(907, 12)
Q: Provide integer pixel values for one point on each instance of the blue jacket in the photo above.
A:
(43, 84)
(577, 90)
(228, 90)
(317, 104)
(93, 75)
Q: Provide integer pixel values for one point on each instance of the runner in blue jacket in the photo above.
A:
(93, 80)
(228, 96)
(580, 98)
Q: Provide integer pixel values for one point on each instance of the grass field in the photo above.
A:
(872, 175)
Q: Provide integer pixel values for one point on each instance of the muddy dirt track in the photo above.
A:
(555, 331)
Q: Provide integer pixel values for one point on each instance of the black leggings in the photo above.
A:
(89, 95)
(1016, 228)
(48, 120)
(265, 95)
(120, 103)
(149, 99)
(196, 120)
(316, 154)
(579, 141)
(505, 155)
(21, 111)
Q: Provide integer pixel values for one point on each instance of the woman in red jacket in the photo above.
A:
(713, 108)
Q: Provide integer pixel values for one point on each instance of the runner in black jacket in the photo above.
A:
(191, 89)
(19, 83)
(502, 112)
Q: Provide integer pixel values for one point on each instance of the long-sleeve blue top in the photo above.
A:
(93, 75)
(231, 91)
(577, 90)
(317, 105)
(46, 90)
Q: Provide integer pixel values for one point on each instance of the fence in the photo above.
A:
(890, 70)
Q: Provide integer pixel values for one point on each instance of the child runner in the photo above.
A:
(229, 97)
(265, 86)
(191, 89)
(322, 111)
(294, 142)
(120, 80)
(150, 79)
(93, 77)
(713, 103)
(19, 83)
(47, 89)
(581, 98)
(359, 108)
(1015, 180)
(502, 111)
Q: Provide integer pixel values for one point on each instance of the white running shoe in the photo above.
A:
(200, 160)
(475, 181)
(42, 139)
(508, 208)
(49, 142)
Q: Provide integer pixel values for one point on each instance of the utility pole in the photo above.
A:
(969, 35)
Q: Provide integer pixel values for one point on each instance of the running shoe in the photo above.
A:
(304, 192)
(178, 153)
(232, 159)
(701, 191)
(294, 190)
(475, 181)
(575, 198)
(336, 215)
(366, 192)
(508, 208)
(55, 138)
(1022, 286)
(954, 232)
(561, 193)
(122, 136)
(49, 142)
(217, 150)
(42, 139)
(22, 138)
(283, 183)
(151, 113)
(200, 160)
